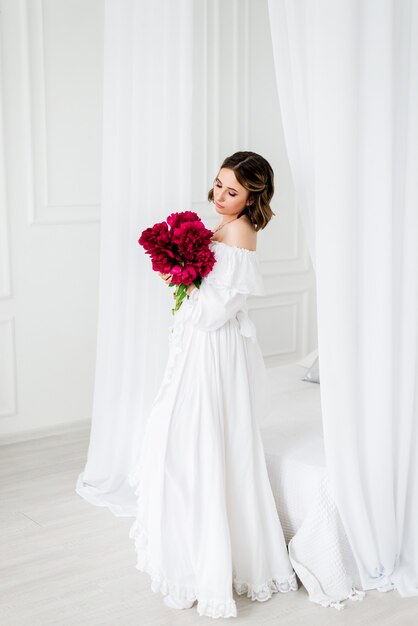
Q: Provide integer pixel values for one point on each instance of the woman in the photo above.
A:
(206, 522)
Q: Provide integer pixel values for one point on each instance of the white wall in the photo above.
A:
(51, 85)
(50, 161)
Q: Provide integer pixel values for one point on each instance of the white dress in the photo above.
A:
(206, 521)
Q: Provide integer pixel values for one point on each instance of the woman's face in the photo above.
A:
(228, 195)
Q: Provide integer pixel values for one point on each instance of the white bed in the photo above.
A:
(292, 437)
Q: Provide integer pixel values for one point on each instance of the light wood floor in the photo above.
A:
(65, 562)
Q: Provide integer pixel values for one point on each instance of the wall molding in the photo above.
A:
(40, 210)
(8, 394)
(5, 268)
(299, 301)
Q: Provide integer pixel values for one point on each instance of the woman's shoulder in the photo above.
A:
(241, 233)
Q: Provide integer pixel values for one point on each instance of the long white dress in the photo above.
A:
(206, 521)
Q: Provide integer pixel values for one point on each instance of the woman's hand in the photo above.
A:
(166, 277)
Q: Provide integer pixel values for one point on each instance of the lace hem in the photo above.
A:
(208, 607)
(263, 592)
(356, 594)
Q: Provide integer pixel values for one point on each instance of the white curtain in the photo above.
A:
(347, 75)
(146, 176)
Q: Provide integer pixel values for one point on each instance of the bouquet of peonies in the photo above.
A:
(180, 247)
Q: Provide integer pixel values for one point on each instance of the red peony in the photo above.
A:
(180, 247)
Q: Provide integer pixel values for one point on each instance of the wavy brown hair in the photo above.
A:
(255, 174)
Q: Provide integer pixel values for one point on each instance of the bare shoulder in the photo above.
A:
(241, 233)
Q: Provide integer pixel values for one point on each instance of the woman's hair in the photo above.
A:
(255, 174)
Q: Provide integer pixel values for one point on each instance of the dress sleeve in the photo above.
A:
(224, 291)
(214, 305)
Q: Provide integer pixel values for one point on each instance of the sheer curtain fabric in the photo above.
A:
(146, 176)
(347, 75)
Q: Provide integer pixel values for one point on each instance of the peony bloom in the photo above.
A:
(180, 247)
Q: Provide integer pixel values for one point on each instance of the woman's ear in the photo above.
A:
(250, 200)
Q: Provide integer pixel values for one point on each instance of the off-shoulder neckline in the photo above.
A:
(234, 247)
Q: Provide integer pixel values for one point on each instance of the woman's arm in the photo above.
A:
(213, 306)
(190, 289)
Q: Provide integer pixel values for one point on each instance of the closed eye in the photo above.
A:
(231, 194)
